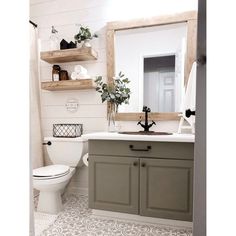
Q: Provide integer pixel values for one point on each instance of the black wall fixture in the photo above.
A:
(31, 22)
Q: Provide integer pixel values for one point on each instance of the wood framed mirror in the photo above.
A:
(164, 24)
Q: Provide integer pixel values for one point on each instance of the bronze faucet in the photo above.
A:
(146, 126)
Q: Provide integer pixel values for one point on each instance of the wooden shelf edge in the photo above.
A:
(68, 85)
(69, 55)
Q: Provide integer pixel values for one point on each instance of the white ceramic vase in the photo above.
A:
(86, 43)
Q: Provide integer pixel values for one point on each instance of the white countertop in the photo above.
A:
(188, 138)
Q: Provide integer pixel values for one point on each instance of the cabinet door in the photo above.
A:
(114, 183)
(166, 188)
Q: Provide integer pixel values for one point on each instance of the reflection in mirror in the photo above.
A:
(154, 62)
(156, 54)
(160, 93)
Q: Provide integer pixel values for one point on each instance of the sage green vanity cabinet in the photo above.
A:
(114, 183)
(146, 178)
(166, 188)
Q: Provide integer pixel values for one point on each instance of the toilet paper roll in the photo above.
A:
(85, 159)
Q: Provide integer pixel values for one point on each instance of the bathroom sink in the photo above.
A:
(145, 133)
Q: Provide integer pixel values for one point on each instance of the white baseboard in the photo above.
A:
(141, 219)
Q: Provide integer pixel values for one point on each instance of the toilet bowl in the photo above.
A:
(65, 154)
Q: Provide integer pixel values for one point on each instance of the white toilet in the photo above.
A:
(65, 154)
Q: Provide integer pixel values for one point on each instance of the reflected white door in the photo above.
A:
(166, 92)
(151, 90)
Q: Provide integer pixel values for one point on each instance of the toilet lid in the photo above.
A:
(51, 171)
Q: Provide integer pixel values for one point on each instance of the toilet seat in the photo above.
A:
(51, 172)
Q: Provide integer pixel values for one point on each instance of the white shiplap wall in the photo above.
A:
(64, 15)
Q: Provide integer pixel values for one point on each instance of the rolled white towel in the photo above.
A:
(74, 75)
(80, 69)
(81, 76)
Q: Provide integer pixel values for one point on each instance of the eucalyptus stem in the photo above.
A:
(115, 93)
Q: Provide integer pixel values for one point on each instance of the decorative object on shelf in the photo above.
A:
(54, 41)
(84, 36)
(79, 73)
(63, 44)
(67, 130)
(71, 45)
(55, 72)
(115, 93)
(63, 75)
(72, 105)
(58, 74)
(86, 43)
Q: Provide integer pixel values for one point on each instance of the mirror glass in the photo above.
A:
(153, 59)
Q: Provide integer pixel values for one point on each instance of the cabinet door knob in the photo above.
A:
(135, 163)
(143, 164)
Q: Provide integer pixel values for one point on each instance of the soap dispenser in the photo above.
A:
(54, 41)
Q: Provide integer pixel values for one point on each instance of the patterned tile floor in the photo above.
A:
(42, 221)
(76, 220)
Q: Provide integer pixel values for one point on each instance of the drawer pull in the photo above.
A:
(141, 149)
(135, 163)
(143, 164)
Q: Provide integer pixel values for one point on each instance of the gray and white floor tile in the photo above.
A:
(77, 220)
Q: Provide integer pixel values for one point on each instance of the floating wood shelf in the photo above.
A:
(69, 55)
(68, 85)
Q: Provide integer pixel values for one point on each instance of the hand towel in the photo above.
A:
(190, 95)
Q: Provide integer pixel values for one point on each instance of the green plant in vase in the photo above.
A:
(84, 35)
(115, 93)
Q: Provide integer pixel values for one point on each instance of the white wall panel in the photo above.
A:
(96, 124)
(84, 111)
(60, 97)
(72, 17)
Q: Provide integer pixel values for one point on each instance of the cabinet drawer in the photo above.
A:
(171, 150)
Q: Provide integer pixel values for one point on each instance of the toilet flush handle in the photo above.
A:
(48, 143)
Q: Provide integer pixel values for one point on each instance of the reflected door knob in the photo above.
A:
(143, 164)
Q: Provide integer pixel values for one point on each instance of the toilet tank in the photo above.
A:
(66, 151)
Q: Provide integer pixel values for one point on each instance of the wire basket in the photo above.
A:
(67, 130)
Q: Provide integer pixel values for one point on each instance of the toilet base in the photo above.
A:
(50, 202)
(50, 191)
